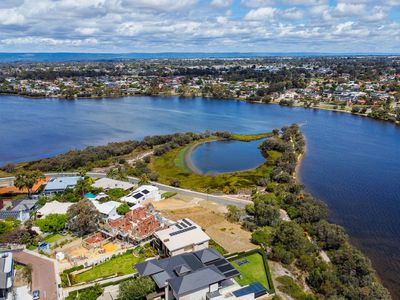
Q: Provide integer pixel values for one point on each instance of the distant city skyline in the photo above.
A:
(128, 26)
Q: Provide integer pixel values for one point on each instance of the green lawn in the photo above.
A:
(121, 265)
(251, 137)
(52, 238)
(252, 271)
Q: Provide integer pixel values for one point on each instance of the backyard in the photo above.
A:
(121, 265)
(252, 269)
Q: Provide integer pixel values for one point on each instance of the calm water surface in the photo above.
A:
(352, 163)
(226, 156)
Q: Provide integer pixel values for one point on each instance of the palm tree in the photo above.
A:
(27, 179)
(144, 179)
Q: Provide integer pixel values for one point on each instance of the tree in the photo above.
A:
(331, 236)
(234, 213)
(52, 223)
(91, 293)
(27, 273)
(136, 289)
(144, 179)
(83, 217)
(123, 209)
(27, 179)
(265, 214)
(262, 236)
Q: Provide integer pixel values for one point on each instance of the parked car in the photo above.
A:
(36, 294)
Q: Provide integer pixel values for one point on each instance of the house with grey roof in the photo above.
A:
(60, 184)
(203, 274)
(20, 211)
(6, 274)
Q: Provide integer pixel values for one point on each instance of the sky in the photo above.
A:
(116, 26)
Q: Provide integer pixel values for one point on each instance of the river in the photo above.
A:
(352, 163)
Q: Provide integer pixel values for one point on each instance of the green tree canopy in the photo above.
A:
(52, 223)
(83, 217)
(136, 289)
(123, 209)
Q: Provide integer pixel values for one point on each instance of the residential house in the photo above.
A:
(20, 211)
(6, 274)
(108, 184)
(203, 274)
(183, 236)
(137, 225)
(53, 207)
(60, 184)
(141, 194)
(108, 210)
(12, 190)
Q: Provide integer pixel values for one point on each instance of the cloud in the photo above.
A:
(198, 25)
(293, 14)
(221, 3)
(261, 14)
(256, 3)
(11, 16)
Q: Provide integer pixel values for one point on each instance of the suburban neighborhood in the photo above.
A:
(114, 239)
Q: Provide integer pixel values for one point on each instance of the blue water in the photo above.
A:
(352, 163)
(226, 156)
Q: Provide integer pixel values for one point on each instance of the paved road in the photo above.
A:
(43, 274)
(224, 200)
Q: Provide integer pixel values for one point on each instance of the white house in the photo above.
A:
(108, 210)
(108, 184)
(183, 236)
(53, 207)
(141, 194)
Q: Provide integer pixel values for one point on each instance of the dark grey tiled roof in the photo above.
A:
(189, 271)
(197, 280)
(207, 255)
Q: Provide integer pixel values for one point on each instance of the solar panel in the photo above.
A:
(179, 226)
(183, 225)
(219, 262)
(255, 288)
(145, 192)
(226, 268)
(232, 273)
(138, 195)
(182, 231)
(187, 222)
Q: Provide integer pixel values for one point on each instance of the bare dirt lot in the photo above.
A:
(210, 216)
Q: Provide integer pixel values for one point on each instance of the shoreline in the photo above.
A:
(195, 96)
(191, 166)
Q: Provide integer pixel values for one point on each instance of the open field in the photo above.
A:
(172, 166)
(252, 271)
(210, 216)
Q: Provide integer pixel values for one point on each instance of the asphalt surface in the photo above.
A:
(43, 274)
